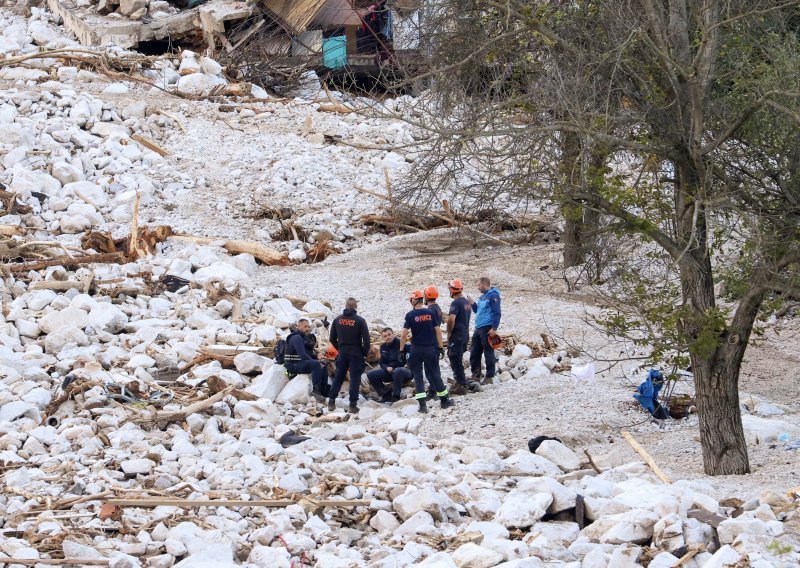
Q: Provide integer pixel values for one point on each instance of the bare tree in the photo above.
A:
(696, 105)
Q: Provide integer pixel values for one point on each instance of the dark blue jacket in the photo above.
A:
(390, 353)
(487, 309)
(296, 349)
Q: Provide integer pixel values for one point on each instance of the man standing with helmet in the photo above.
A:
(350, 335)
(487, 320)
(426, 344)
(458, 336)
(431, 295)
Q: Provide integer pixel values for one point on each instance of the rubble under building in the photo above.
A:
(274, 38)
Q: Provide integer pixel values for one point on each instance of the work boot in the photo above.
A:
(431, 394)
(332, 404)
(473, 386)
(423, 406)
(389, 398)
(458, 390)
(477, 376)
(446, 402)
(353, 409)
(318, 396)
(488, 381)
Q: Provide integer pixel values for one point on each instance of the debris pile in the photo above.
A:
(156, 421)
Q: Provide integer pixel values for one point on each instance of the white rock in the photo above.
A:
(120, 560)
(663, 560)
(55, 341)
(269, 557)
(559, 454)
(27, 328)
(725, 557)
(73, 224)
(270, 383)
(248, 362)
(383, 522)
(68, 317)
(39, 299)
(139, 466)
(89, 192)
(128, 7)
(292, 483)
(471, 555)
(415, 500)
(419, 523)
(763, 431)
(66, 173)
(523, 508)
(18, 409)
(116, 89)
(563, 497)
(74, 549)
(262, 409)
(140, 360)
(296, 391)
(208, 65)
(525, 462)
(221, 271)
(25, 181)
(729, 529)
(105, 316)
(199, 83)
(634, 526)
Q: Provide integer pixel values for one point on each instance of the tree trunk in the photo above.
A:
(716, 355)
(570, 166)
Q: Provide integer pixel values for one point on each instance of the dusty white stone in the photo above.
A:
(523, 508)
(137, 466)
(471, 555)
(559, 454)
(418, 523)
(296, 391)
(248, 362)
(383, 521)
(105, 316)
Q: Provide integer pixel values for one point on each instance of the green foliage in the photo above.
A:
(776, 548)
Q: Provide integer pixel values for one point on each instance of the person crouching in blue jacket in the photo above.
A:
(392, 368)
(487, 320)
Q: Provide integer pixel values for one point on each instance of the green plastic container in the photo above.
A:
(334, 52)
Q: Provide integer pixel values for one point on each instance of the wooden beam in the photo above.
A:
(647, 457)
(147, 502)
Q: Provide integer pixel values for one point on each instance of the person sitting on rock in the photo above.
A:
(299, 361)
(392, 370)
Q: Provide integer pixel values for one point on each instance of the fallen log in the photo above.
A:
(647, 457)
(271, 503)
(56, 561)
(167, 416)
(11, 231)
(436, 215)
(149, 144)
(263, 254)
(56, 285)
(68, 262)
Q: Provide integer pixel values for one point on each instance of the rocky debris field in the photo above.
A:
(144, 422)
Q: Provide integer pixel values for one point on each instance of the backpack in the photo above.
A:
(280, 349)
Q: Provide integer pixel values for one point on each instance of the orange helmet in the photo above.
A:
(431, 293)
(331, 352)
(416, 296)
(495, 341)
(455, 286)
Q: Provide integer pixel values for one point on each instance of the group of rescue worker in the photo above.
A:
(414, 355)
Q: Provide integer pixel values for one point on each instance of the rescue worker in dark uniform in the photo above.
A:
(392, 369)
(350, 335)
(431, 295)
(300, 359)
(458, 336)
(426, 346)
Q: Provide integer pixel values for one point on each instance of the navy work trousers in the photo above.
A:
(456, 346)
(317, 370)
(426, 358)
(397, 377)
(353, 362)
(481, 347)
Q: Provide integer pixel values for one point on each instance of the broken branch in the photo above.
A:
(647, 457)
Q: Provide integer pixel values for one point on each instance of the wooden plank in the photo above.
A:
(241, 38)
(149, 144)
(271, 503)
(647, 457)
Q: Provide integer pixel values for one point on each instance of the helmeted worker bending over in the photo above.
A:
(487, 320)
(350, 335)
(392, 368)
(426, 344)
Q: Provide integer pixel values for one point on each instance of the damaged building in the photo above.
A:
(271, 40)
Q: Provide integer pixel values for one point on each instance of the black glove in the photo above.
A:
(402, 358)
(441, 352)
